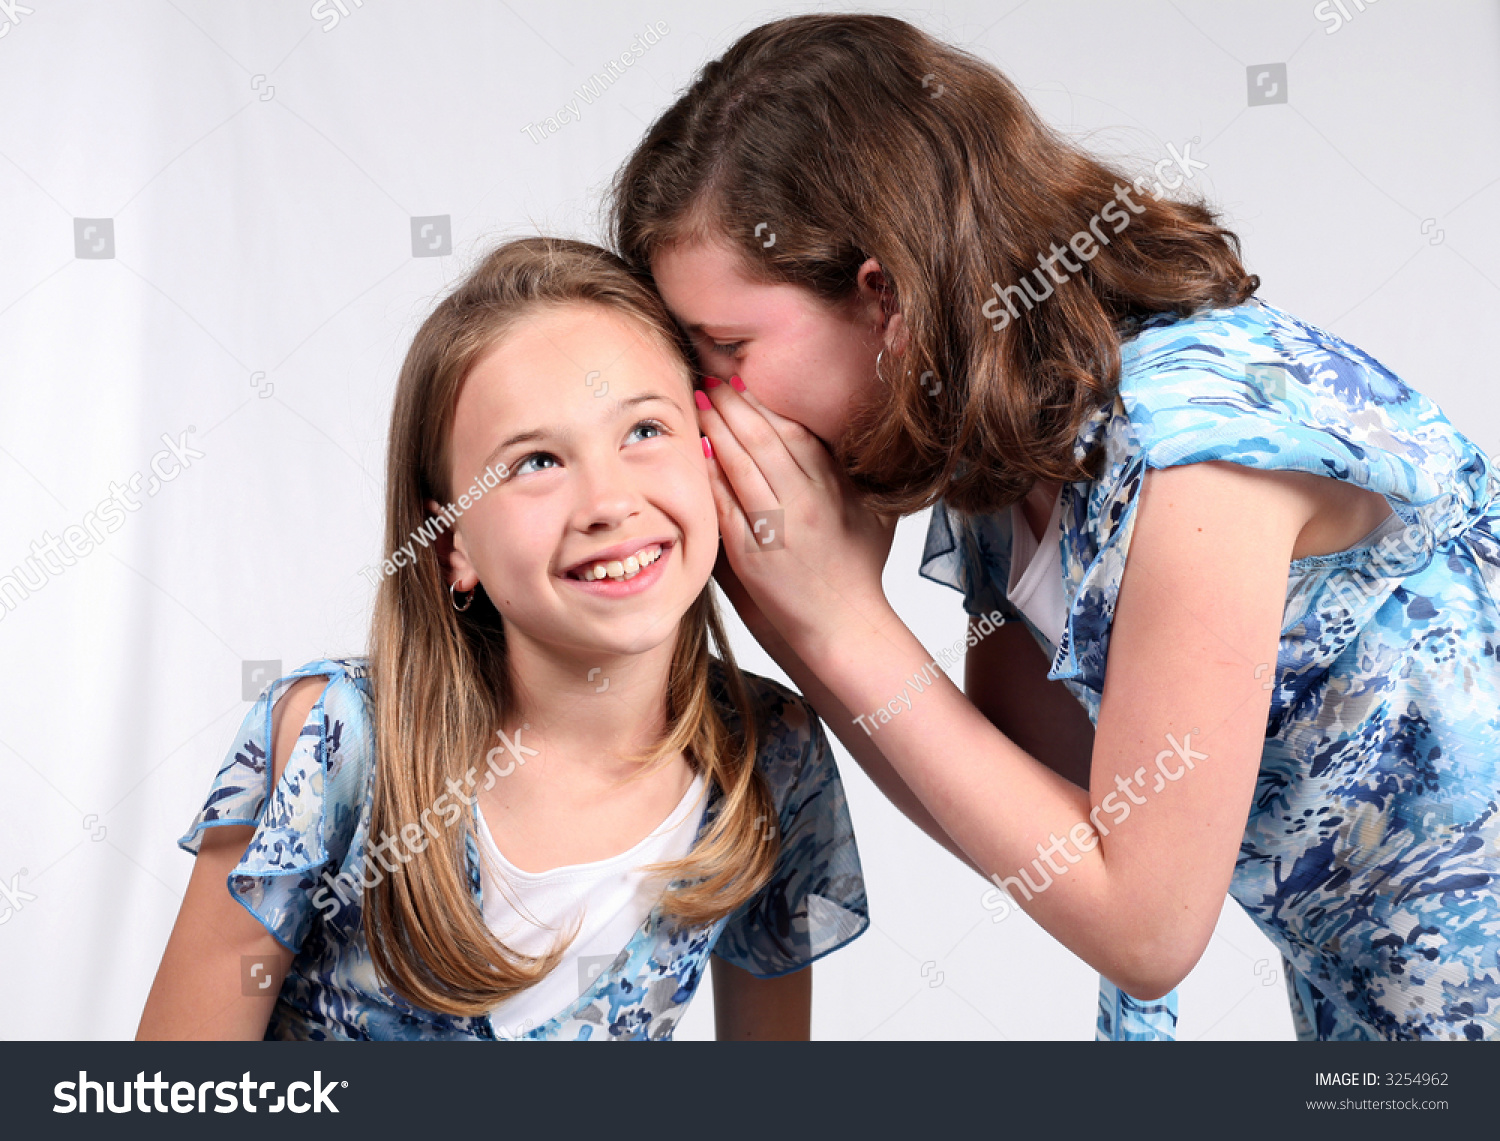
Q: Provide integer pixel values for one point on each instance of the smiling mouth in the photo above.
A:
(620, 569)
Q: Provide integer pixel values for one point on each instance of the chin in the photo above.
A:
(650, 639)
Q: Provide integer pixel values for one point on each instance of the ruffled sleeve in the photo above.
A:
(815, 900)
(1256, 387)
(972, 555)
(307, 822)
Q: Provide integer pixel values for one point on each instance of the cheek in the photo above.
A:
(781, 380)
(505, 543)
(690, 504)
(817, 378)
(706, 516)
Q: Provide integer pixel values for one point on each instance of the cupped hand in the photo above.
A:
(803, 548)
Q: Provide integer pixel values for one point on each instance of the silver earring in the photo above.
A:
(878, 377)
(453, 597)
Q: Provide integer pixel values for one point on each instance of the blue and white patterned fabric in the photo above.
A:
(1125, 1019)
(1371, 856)
(310, 844)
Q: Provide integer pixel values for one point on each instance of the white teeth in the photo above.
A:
(621, 570)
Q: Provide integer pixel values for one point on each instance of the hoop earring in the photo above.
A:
(878, 377)
(453, 597)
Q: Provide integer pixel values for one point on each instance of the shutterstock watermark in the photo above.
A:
(330, 12)
(1395, 549)
(413, 838)
(598, 84)
(1086, 834)
(928, 675)
(1086, 243)
(15, 897)
(49, 559)
(406, 554)
(10, 15)
(1337, 19)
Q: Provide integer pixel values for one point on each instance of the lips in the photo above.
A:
(619, 562)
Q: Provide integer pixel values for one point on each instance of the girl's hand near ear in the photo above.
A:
(808, 553)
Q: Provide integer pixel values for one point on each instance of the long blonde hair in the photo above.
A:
(440, 678)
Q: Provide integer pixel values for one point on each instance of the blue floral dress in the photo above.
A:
(1371, 856)
(312, 826)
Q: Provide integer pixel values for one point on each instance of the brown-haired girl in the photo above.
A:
(542, 803)
(1286, 691)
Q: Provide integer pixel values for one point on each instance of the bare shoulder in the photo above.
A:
(288, 716)
(1211, 536)
(225, 845)
(1225, 487)
(1322, 515)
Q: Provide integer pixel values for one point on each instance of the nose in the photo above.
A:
(608, 495)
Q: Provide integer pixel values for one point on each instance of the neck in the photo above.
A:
(589, 709)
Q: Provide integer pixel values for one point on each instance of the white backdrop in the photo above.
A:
(207, 233)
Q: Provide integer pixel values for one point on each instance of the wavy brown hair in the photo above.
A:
(441, 682)
(856, 137)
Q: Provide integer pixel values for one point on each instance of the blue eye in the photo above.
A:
(542, 461)
(520, 467)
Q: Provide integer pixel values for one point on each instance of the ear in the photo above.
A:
(877, 299)
(452, 552)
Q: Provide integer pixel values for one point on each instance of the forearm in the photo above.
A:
(1003, 807)
(862, 746)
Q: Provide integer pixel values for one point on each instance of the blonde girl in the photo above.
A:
(541, 803)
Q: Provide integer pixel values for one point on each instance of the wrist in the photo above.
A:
(853, 630)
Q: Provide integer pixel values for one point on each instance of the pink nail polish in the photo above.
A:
(702, 401)
(711, 382)
(737, 384)
(708, 449)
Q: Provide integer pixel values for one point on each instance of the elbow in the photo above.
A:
(1153, 968)
(1148, 987)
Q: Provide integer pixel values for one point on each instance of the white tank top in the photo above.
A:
(1036, 585)
(528, 910)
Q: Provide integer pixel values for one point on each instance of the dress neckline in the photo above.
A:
(673, 819)
(642, 939)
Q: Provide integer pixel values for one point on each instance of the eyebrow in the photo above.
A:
(533, 434)
(700, 329)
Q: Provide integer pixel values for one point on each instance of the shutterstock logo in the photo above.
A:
(74, 1097)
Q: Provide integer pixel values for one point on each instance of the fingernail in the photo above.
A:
(708, 449)
(711, 382)
(702, 401)
(737, 384)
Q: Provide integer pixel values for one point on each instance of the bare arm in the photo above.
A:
(1137, 867)
(751, 1009)
(834, 714)
(201, 990)
(1005, 676)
